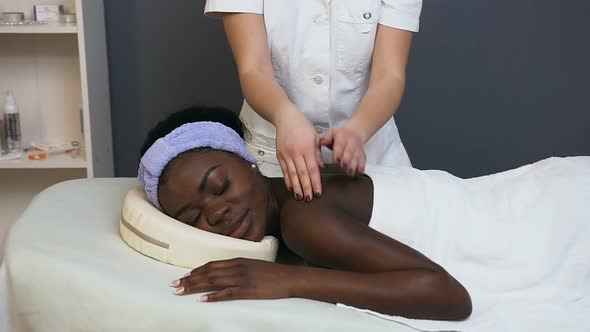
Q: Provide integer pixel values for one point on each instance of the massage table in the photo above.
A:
(66, 268)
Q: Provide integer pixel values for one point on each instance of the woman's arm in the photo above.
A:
(381, 101)
(368, 269)
(297, 141)
(363, 268)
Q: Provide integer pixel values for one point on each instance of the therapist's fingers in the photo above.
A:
(354, 157)
(303, 171)
(318, 155)
(357, 163)
(347, 155)
(328, 139)
(338, 147)
(362, 162)
(286, 176)
(352, 167)
(313, 168)
(319, 159)
(295, 181)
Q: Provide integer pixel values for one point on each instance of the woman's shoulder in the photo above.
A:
(341, 195)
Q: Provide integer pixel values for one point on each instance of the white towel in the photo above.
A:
(519, 241)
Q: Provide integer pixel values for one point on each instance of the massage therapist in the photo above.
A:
(320, 73)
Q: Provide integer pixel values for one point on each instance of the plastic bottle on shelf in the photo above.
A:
(12, 124)
(3, 138)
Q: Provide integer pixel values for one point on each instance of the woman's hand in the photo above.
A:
(348, 149)
(239, 278)
(298, 152)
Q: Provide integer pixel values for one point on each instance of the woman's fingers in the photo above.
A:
(230, 293)
(200, 285)
(211, 276)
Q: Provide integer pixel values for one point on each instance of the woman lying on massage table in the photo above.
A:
(196, 169)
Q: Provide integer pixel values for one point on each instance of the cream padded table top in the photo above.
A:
(66, 268)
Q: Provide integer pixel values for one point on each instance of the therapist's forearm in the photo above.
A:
(379, 104)
(265, 95)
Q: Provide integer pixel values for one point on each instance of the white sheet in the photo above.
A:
(67, 269)
(519, 241)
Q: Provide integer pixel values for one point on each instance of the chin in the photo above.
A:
(256, 235)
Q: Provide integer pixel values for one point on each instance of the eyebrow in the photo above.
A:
(202, 186)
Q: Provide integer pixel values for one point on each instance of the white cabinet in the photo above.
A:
(59, 75)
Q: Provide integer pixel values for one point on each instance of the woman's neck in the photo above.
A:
(277, 195)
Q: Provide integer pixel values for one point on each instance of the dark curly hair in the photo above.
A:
(195, 114)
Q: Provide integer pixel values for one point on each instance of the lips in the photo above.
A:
(242, 225)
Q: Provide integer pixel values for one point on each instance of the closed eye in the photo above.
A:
(196, 219)
(223, 188)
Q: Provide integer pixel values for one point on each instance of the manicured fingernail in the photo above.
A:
(204, 298)
(345, 165)
(290, 189)
(175, 283)
(179, 291)
(308, 198)
(298, 197)
(317, 194)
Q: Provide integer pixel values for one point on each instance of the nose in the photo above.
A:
(217, 212)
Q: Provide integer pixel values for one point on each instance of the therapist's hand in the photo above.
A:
(347, 149)
(298, 152)
(238, 278)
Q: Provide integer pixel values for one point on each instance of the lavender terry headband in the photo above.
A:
(184, 138)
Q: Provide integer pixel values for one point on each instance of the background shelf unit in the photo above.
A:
(53, 28)
(59, 75)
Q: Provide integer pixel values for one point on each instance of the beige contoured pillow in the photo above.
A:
(154, 234)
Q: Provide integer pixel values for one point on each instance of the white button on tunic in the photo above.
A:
(321, 53)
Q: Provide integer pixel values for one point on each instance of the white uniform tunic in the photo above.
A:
(321, 53)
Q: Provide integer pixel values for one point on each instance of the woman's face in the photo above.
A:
(216, 191)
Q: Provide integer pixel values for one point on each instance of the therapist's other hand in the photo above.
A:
(298, 152)
(238, 278)
(347, 149)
